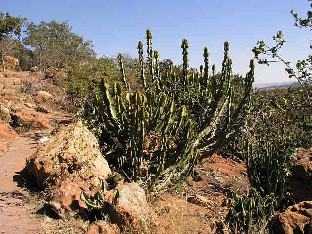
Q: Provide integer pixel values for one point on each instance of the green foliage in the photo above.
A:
(10, 25)
(83, 81)
(10, 32)
(54, 44)
(250, 214)
(158, 134)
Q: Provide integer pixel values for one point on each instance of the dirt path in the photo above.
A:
(13, 218)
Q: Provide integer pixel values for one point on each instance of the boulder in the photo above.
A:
(10, 62)
(69, 162)
(132, 209)
(27, 121)
(43, 96)
(34, 69)
(5, 113)
(29, 105)
(66, 200)
(7, 134)
(301, 175)
(103, 227)
(42, 108)
(296, 219)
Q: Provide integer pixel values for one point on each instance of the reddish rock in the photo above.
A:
(42, 108)
(7, 134)
(220, 174)
(296, 219)
(132, 209)
(67, 198)
(43, 96)
(30, 121)
(10, 62)
(301, 175)
(5, 113)
(102, 227)
(69, 161)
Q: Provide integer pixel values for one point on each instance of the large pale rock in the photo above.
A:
(43, 96)
(296, 219)
(69, 162)
(132, 209)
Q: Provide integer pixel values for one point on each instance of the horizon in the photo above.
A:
(204, 23)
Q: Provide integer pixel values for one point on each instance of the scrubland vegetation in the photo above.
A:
(156, 120)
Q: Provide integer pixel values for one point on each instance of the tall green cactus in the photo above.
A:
(159, 134)
(206, 68)
(122, 70)
(185, 65)
(141, 61)
(157, 70)
(150, 59)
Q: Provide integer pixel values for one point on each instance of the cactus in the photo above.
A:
(159, 134)
(250, 213)
(185, 66)
(268, 167)
(206, 68)
(122, 70)
(141, 61)
(157, 71)
(150, 59)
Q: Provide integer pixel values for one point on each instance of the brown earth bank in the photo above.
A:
(50, 167)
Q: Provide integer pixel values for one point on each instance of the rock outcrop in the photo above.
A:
(296, 219)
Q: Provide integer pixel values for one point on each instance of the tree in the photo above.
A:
(10, 32)
(54, 44)
(303, 69)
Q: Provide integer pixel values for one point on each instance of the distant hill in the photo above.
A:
(275, 85)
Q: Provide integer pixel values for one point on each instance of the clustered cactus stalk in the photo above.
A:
(141, 62)
(157, 135)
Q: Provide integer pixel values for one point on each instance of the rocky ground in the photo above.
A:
(46, 161)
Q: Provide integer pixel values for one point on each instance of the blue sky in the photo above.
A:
(117, 26)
